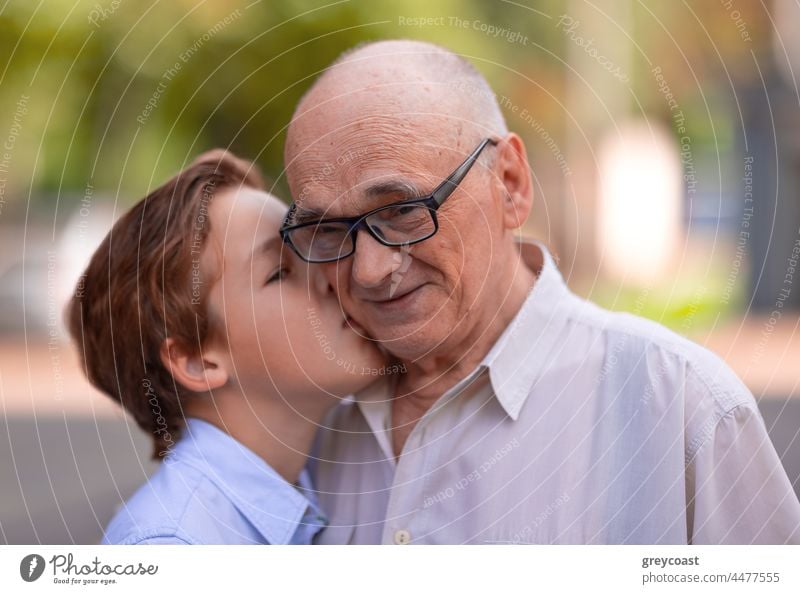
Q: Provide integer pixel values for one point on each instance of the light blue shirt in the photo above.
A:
(213, 490)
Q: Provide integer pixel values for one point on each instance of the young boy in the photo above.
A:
(225, 348)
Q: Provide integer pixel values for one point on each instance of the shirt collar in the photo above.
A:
(517, 358)
(375, 404)
(273, 506)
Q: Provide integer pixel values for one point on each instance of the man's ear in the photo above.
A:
(198, 372)
(514, 175)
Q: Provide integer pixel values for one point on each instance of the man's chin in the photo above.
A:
(407, 341)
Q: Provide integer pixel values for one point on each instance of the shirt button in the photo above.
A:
(402, 537)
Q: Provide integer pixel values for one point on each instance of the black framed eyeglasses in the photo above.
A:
(395, 225)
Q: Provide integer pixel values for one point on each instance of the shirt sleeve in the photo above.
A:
(737, 490)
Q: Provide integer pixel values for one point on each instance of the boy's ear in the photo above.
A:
(198, 372)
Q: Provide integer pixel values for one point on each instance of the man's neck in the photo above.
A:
(270, 428)
(428, 378)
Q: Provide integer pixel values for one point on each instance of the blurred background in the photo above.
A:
(664, 139)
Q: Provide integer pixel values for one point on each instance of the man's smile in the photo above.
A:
(398, 301)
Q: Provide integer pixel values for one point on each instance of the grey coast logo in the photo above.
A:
(31, 567)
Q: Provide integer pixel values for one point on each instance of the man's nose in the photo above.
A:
(373, 262)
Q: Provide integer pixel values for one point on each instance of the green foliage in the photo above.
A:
(90, 67)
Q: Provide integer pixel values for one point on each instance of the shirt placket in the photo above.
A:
(403, 524)
(399, 526)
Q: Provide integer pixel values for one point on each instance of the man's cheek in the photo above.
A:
(357, 311)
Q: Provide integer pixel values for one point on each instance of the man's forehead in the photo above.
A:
(384, 140)
(362, 154)
(342, 199)
(361, 158)
(389, 156)
(366, 121)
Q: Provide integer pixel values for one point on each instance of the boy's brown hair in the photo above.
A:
(142, 285)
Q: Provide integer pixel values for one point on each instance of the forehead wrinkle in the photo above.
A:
(392, 186)
(412, 178)
(358, 126)
(402, 90)
(350, 166)
(336, 170)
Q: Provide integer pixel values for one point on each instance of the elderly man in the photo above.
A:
(524, 414)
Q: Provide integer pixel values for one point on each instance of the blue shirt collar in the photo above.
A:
(273, 506)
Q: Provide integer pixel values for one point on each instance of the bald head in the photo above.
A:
(402, 79)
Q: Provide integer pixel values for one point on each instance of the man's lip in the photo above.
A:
(394, 298)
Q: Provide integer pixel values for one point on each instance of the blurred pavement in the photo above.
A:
(68, 456)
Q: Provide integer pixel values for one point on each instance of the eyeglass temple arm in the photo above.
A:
(289, 215)
(446, 188)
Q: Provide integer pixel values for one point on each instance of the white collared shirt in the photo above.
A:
(579, 426)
